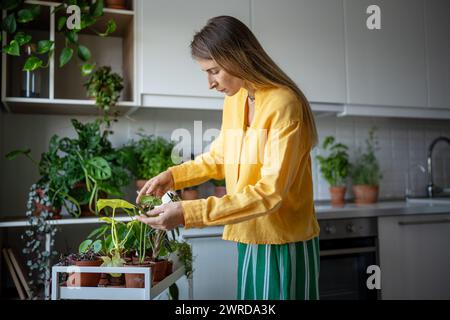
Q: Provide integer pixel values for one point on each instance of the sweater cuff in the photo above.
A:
(193, 213)
(178, 175)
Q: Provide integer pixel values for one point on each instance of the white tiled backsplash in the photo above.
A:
(403, 144)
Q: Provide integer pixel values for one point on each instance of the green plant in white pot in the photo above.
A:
(335, 169)
(366, 172)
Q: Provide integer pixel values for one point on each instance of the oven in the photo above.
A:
(347, 248)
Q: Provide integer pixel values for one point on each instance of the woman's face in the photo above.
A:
(219, 79)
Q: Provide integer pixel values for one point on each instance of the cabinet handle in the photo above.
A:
(338, 252)
(437, 221)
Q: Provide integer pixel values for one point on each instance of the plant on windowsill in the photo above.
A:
(335, 169)
(105, 86)
(366, 173)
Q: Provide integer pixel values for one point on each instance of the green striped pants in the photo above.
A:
(279, 272)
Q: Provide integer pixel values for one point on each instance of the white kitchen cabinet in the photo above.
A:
(387, 66)
(414, 256)
(215, 265)
(437, 26)
(306, 39)
(167, 69)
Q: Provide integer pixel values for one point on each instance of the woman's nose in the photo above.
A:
(212, 83)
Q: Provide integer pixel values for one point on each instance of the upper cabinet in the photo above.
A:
(386, 66)
(306, 39)
(437, 26)
(55, 89)
(170, 77)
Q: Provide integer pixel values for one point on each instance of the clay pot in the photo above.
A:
(220, 191)
(116, 4)
(337, 196)
(56, 212)
(77, 279)
(365, 194)
(160, 270)
(190, 194)
(136, 280)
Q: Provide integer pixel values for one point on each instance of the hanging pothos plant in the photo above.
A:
(18, 13)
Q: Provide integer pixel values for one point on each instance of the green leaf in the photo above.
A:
(110, 28)
(32, 63)
(22, 38)
(97, 246)
(114, 204)
(13, 154)
(98, 168)
(9, 24)
(61, 23)
(84, 246)
(24, 16)
(13, 48)
(35, 10)
(86, 69)
(97, 9)
(66, 55)
(72, 36)
(84, 53)
(44, 46)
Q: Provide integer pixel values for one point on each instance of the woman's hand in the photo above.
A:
(166, 217)
(157, 186)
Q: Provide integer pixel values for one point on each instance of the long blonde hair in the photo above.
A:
(235, 48)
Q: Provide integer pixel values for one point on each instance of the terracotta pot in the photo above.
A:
(337, 196)
(190, 194)
(77, 279)
(116, 4)
(56, 212)
(159, 270)
(365, 194)
(136, 280)
(220, 191)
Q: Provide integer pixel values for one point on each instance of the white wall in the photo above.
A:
(403, 143)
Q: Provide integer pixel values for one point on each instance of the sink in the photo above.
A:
(436, 200)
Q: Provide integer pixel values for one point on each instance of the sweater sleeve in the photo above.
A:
(208, 165)
(282, 154)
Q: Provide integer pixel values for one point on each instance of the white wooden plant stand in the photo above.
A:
(107, 293)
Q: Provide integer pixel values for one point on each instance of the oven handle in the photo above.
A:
(436, 221)
(337, 252)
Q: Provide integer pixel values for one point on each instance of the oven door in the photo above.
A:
(343, 268)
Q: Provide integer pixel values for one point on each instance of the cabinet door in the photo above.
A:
(166, 31)
(215, 268)
(414, 258)
(438, 52)
(306, 39)
(386, 66)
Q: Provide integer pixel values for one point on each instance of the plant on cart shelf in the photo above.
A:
(366, 172)
(105, 86)
(20, 13)
(335, 168)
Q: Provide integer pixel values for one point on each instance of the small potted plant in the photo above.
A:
(335, 169)
(147, 157)
(366, 173)
(87, 256)
(106, 87)
(219, 188)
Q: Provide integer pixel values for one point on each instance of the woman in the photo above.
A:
(262, 152)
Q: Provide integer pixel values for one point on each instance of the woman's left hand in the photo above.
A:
(170, 216)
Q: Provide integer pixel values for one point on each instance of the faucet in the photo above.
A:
(432, 190)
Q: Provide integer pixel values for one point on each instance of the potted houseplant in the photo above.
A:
(366, 173)
(105, 87)
(87, 256)
(219, 188)
(147, 157)
(335, 169)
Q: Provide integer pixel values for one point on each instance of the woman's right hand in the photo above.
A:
(157, 186)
